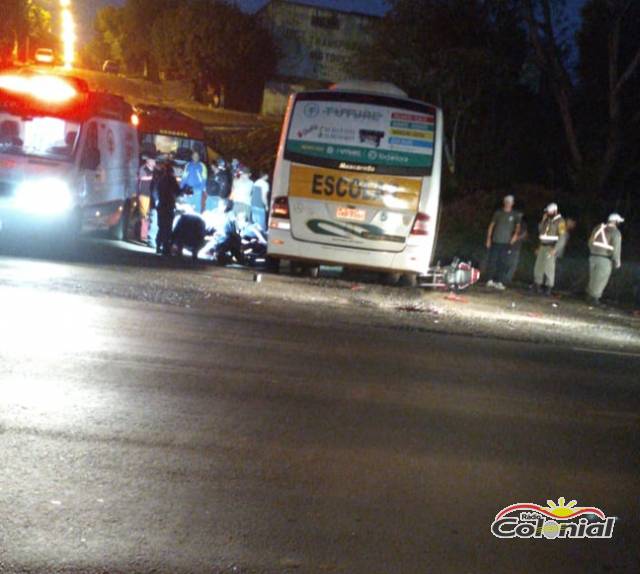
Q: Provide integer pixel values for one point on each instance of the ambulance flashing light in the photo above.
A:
(46, 89)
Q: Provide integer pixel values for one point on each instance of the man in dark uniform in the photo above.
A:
(168, 191)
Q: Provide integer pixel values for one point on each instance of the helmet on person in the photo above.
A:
(552, 208)
(616, 218)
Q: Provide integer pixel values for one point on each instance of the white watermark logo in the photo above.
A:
(556, 520)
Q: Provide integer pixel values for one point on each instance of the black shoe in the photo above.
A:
(548, 292)
(536, 289)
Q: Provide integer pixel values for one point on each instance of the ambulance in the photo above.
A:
(68, 156)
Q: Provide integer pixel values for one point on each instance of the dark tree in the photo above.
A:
(610, 57)
(466, 56)
(215, 46)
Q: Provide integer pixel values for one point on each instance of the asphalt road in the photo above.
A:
(153, 438)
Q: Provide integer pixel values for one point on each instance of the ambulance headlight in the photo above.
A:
(44, 196)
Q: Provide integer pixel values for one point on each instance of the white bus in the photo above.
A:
(357, 180)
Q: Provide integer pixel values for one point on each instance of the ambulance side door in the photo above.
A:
(92, 171)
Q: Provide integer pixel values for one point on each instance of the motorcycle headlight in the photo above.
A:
(44, 197)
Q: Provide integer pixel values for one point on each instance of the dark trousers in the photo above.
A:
(165, 229)
(498, 262)
(512, 267)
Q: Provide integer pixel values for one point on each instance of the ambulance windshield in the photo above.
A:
(45, 137)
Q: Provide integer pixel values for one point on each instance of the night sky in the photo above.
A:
(89, 7)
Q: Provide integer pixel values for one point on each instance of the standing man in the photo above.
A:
(145, 182)
(260, 200)
(195, 177)
(516, 250)
(605, 246)
(241, 192)
(222, 181)
(503, 232)
(553, 238)
(168, 191)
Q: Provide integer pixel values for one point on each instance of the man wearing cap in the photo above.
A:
(503, 232)
(605, 246)
(553, 237)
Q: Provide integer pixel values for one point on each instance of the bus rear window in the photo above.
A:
(362, 133)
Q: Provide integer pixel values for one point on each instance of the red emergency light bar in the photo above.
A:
(43, 88)
(64, 96)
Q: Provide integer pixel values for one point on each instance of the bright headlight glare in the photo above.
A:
(45, 196)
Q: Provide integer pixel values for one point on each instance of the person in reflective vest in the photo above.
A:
(605, 248)
(553, 237)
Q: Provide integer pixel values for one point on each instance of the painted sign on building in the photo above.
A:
(316, 44)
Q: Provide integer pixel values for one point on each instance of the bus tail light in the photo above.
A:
(280, 208)
(280, 214)
(421, 225)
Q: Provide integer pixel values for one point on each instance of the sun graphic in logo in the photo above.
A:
(562, 509)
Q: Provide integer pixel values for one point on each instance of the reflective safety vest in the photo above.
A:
(552, 230)
(600, 242)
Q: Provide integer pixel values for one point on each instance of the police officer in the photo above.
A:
(168, 191)
(605, 246)
(553, 237)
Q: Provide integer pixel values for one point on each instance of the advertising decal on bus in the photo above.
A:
(362, 133)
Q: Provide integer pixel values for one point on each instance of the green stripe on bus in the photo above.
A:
(360, 154)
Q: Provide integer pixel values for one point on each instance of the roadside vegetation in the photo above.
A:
(534, 105)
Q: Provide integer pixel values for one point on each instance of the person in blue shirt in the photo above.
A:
(195, 177)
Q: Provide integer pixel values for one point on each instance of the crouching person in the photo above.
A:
(189, 232)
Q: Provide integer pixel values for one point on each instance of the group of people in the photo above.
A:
(508, 230)
(224, 192)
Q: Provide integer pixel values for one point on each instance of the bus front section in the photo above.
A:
(357, 181)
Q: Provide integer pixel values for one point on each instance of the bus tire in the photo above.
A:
(391, 279)
(409, 280)
(273, 265)
(313, 271)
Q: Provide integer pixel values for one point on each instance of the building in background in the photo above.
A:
(316, 44)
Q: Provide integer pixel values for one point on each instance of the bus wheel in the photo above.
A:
(409, 280)
(273, 265)
(119, 231)
(313, 271)
(391, 279)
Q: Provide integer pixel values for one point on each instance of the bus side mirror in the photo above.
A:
(90, 159)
